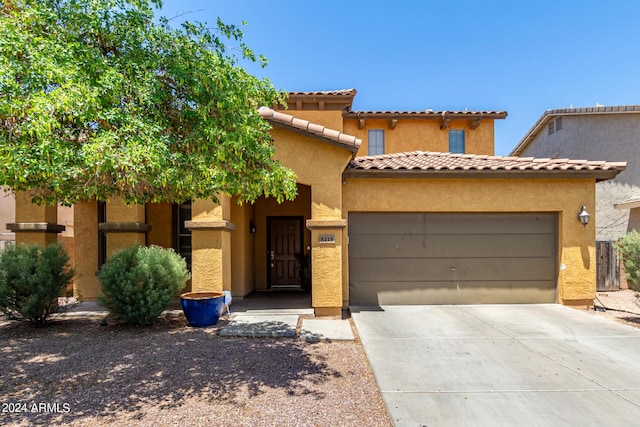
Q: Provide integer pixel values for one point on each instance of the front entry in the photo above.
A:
(285, 252)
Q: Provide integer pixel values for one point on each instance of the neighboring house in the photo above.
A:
(609, 133)
(8, 214)
(412, 224)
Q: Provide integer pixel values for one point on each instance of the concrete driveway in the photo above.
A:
(502, 365)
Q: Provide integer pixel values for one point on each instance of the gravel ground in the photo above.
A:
(170, 374)
(622, 306)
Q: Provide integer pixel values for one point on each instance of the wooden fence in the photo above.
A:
(608, 267)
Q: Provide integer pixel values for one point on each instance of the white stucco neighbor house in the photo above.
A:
(607, 133)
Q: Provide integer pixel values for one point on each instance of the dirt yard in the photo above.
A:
(79, 371)
(622, 306)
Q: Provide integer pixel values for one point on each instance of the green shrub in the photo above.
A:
(138, 282)
(31, 279)
(629, 247)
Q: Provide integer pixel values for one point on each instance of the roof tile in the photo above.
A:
(339, 92)
(425, 161)
(332, 135)
(427, 114)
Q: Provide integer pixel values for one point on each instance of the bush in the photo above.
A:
(31, 279)
(629, 247)
(138, 282)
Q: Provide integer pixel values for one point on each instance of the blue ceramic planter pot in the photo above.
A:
(202, 308)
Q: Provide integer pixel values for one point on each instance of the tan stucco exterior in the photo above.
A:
(211, 243)
(330, 119)
(119, 213)
(576, 250)
(86, 250)
(423, 135)
(230, 240)
(160, 217)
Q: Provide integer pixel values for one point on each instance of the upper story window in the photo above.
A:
(376, 142)
(456, 141)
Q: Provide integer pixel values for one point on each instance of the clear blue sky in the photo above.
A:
(524, 57)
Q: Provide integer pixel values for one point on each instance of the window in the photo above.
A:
(555, 125)
(376, 142)
(102, 239)
(558, 124)
(182, 234)
(456, 141)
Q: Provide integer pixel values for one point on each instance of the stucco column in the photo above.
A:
(326, 265)
(211, 245)
(577, 272)
(85, 246)
(34, 224)
(125, 225)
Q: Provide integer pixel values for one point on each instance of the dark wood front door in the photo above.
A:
(285, 251)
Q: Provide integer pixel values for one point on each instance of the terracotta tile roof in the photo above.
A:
(339, 92)
(419, 161)
(427, 114)
(277, 118)
(552, 114)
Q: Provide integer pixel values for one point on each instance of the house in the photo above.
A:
(64, 215)
(596, 133)
(392, 208)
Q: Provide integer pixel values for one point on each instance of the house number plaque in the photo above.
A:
(327, 238)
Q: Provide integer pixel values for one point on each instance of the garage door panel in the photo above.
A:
(468, 224)
(412, 293)
(450, 246)
(436, 258)
(386, 223)
(449, 223)
(437, 269)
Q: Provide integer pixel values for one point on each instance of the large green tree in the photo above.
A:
(100, 99)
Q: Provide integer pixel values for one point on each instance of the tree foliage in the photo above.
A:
(629, 247)
(99, 99)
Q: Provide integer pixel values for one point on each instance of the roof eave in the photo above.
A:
(531, 133)
(349, 147)
(435, 115)
(598, 175)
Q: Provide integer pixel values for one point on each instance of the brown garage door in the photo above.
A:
(452, 258)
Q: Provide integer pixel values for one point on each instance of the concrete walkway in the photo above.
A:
(264, 316)
(502, 365)
(257, 317)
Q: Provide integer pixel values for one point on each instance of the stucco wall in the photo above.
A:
(160, 217)
(7, 211)
(576, 251)
(611, 137)
(86, 250)
(242, 250)
(316, 163)
(330, 119)
(424, 135)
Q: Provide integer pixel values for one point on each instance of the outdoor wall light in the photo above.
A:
(252, 227)
(584, 216)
